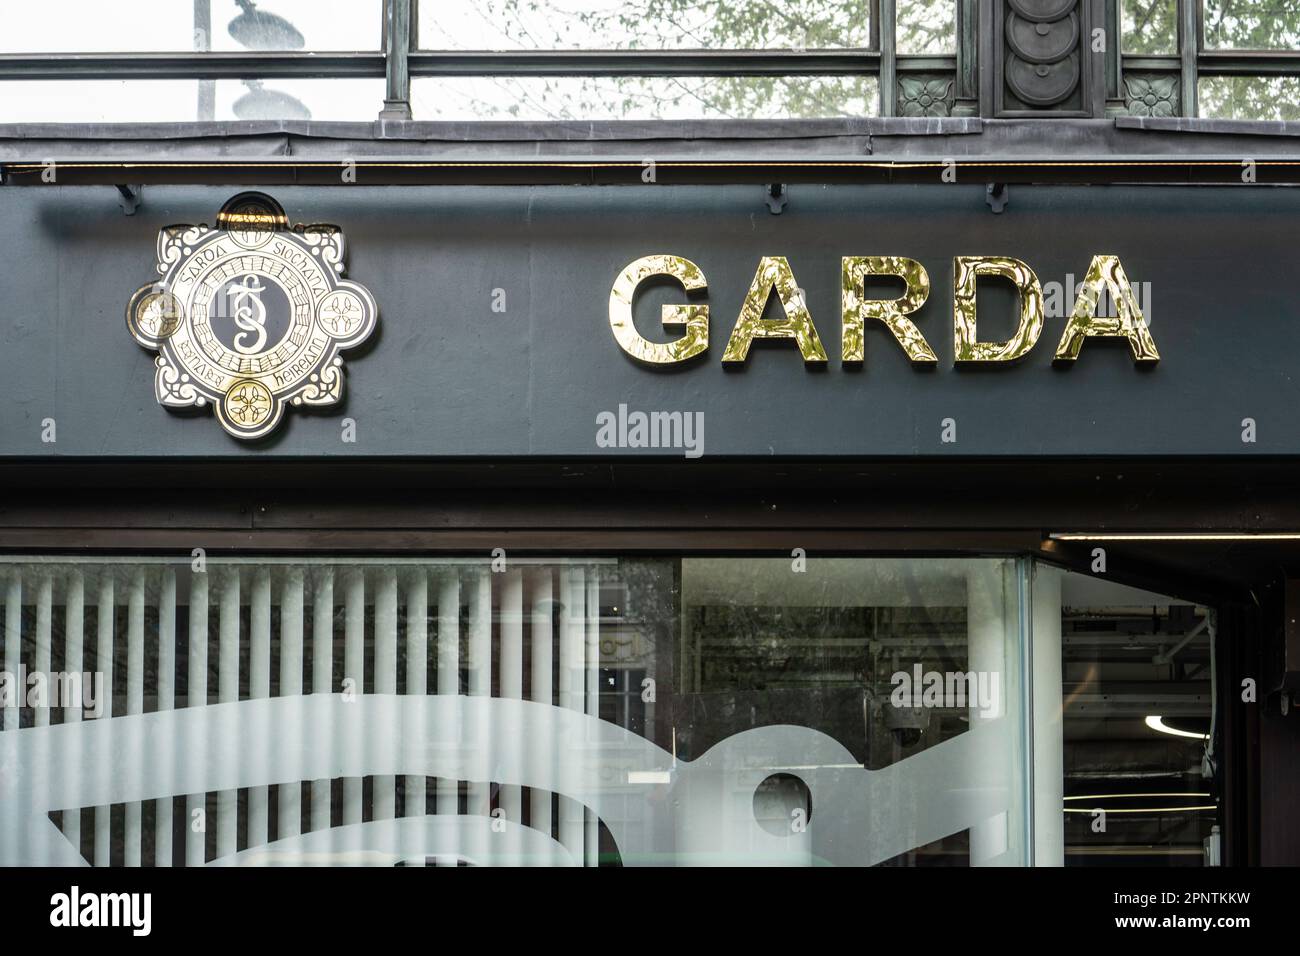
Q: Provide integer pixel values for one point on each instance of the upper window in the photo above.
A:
(1258, 25)
(650, 25)
(1150, 27)
(1251, 28)
(167, 26)
(254, 27)
(595, 60)
(926, 27)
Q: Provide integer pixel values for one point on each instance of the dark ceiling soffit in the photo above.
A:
(669, 170)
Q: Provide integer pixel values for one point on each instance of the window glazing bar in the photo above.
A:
(925, 64)
(888, 58)
(645, 63)
(1248, 63)
(202, 66)
(397, 47)
(1189, 33)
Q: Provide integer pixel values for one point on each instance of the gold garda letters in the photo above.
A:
(1106, 271)
(694, 340)
(774, 274)
(966, 344)
(892, 312)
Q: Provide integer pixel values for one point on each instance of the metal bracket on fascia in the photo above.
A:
(997, 195)
(129, 198)
(776, 197)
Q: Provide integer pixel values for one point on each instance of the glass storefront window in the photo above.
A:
(597, 711)
(1136, 692)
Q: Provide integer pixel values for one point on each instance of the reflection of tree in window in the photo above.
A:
(924, 26)
(1253, 25)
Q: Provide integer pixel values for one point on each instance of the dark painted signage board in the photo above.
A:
(478, 321)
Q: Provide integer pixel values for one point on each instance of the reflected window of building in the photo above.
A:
(1137, 694)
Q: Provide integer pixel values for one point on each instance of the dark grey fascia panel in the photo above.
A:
(446, 376)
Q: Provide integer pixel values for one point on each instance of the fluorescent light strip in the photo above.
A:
(1175, 536)
(1141, 809)
(1158, 724)
(1126, 796)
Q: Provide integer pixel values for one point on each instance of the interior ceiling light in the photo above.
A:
(1131, 796)
(1174, 536)
(1139, 809)
(1092, 798)
(1157, 723)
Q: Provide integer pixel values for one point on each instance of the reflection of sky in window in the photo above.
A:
(168, 26)
(92, 26)
(175, 101)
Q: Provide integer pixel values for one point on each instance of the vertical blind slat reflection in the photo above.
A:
(288, 804)
(165, 755)
(354, 679)
(134, 836)
(479, 669)
(197, 696)
(539, 748)
(447, 799)
(592, 697)
(384, 798)
(530, 633)
(511, 669)
(104, 655)
(417, 683)
(322, 679)
(73, 655)
(41, 665)
(259, 686)
(228, 693)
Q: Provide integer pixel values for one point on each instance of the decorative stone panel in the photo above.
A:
(1042, 52)
(925, 94)
(1151, 94)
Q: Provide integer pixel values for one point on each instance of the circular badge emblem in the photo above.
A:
(250, 315)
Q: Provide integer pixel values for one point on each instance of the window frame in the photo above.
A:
(399, 59)
(1193, 60)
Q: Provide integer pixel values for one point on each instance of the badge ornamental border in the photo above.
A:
(249, 393)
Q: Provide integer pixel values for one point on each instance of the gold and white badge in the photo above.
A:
(250, 315)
